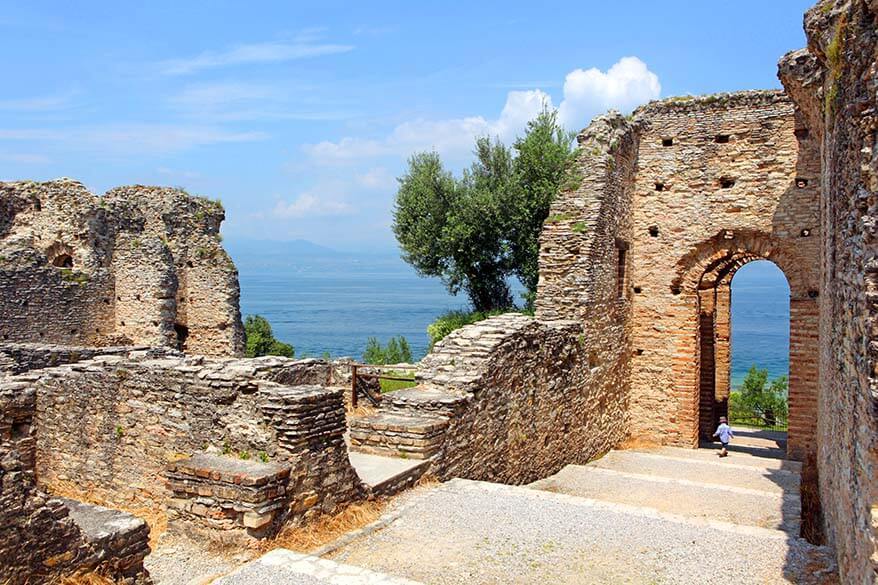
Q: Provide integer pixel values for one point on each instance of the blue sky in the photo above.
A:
(299, 116)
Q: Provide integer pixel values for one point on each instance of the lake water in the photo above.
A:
(322, 301)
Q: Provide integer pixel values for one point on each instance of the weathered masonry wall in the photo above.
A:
(139, 265)
(833, 83)
(40, 536)
(533, 399)
(115, 427)
(673, 201)
(721, 181)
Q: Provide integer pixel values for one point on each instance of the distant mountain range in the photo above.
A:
(249, 247)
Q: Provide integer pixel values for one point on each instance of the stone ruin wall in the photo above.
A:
(139, 265)
(531, 399)
(686, 191)
(39, 539)
(835, 87)
(115, 429)
(716, 187)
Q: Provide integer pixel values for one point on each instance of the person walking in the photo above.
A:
(725, 434)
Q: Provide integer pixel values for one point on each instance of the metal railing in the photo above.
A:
(759, 420)
(359, 377)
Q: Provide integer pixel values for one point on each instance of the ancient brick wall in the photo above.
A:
(833, 83)
(110, 426)
(40, 538)
(691, 189)
(86, 270)
(533, 397)
(721, 181)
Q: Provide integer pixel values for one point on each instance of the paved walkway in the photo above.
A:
(659, 516)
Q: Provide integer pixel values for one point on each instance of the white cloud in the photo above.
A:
(377, 178)
(134, 138)
(38, 104)
(23, 158)
(272, 52)
(309, 205)
(626, 84)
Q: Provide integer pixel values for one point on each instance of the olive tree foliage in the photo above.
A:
(476, 231)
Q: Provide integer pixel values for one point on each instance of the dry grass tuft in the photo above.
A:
(360, 411)
(427, 480)
(156, 518)
(84, 579)
(325, 528)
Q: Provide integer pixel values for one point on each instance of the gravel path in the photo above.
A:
(473, 532)
(180, 562)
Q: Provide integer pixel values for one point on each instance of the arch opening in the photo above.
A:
(744, 321)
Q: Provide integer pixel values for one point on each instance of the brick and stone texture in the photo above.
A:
(229, 499)
(835, 86)
(43, 538)
(674, 199)
(508, 399)
(110, 427)
(138, 265)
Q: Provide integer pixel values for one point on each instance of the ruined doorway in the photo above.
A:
(745, 321)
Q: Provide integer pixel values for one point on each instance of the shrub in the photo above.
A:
(758, 402)
(396, 351)
(260, 339)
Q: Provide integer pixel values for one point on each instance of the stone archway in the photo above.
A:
(703, 284)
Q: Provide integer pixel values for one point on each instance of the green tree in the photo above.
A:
(476, 231)
(396, 351)
(759, 399)
(261, 341)
(543, 167)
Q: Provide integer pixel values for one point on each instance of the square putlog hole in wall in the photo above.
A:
(667, 142)
(659, 186)
(721, 138)
(726, 182)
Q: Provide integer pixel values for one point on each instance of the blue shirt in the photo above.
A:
(724, 432)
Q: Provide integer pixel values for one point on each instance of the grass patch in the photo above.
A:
(325, 528)
(393, 385)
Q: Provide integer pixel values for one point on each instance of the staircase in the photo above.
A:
(392, 448)
(745, 489)
(411, 423)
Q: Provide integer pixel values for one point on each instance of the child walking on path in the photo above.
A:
(725, 434)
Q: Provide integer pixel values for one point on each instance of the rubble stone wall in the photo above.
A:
(110, 426)
(16, 358)
(39, 537)
(835, 87)
(139, 265)
(534, 398)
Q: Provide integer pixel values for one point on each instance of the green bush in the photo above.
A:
(758, 402)
(396, 351)
(260, 339)
(452, 320)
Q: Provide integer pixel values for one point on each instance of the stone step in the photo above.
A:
(680, 497)
(715, 473)
(386, 476)
(398, 435)
(736, 458)
(423, 399)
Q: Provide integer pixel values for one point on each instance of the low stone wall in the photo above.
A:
(42, 538)
(534, 399)
(16, 358)
(109, 427)
(236, 497)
